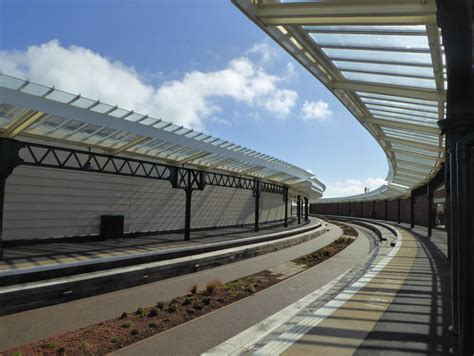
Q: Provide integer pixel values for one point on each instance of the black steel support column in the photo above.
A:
(298, 208)
(455, 18)
(256, 193)
(398, 211)
(412, 210)
(386, 210)
(187, 215)
(306, 206)
(285, 199)
(429, 197)
(9, 159)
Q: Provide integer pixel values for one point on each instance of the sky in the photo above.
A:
(201, 64)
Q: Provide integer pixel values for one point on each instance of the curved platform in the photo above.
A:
(38, 286)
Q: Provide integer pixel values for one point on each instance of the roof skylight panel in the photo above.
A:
(35, 89)
(417, 30)
(383, 110)
(401, 105)
(390, 79)
(398, 98)
(378, 55)
(102, 108)
(385, 68)
(60, 96)
(389, 42)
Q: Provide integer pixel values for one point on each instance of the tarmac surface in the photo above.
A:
(201, 334)
(56, 253)
(27, 326)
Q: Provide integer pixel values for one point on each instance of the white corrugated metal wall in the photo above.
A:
(43, 202)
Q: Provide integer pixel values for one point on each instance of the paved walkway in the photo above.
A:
(54, 253)
(399, 306)
(27, 326)
(201, 334)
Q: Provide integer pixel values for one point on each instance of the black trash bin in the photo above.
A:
(111, 226)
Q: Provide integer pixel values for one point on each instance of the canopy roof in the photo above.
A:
(36, 111)
(384, 60)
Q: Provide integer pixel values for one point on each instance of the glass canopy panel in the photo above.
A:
(60, 96)
(371, 40)
(375, 108)
(387, 79)
(10, 82)
(102, 108)
(83, 103)
(392, 116)
(410, 136)
(35, 89)
(422, 123)
(412, 29)
(413, 159)
(49, 124)
(401, 105)
(134, 117)
(365, 55)
(119, 112)
(414, 150)
(420, 169)
(8, 113)
(397, 98)
(385, 68)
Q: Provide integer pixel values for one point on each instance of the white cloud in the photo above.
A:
(190, 101)
(315, 110)
(351, 187)
(263, 50)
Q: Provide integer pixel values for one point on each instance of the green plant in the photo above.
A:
(140, 311)
(160, 305)
(187, 300)
(124, 315)
(17, 353)
(49, 345)
(197, 306)
(134, 332)
(126, 325)
(206, 300)
(153, 312)
(193, 289)
(153, 325)
(114, 340)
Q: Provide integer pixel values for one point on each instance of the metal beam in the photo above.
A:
(346, 12)
(410, 143)
(403, 125)
(387, 89)
(128, 145)
(22, 123)
(193, 157)
(419, 155)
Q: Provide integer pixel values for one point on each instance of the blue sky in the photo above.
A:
(199, 63)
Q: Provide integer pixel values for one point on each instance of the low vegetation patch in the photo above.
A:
(131, 327)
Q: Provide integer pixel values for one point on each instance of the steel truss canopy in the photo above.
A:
(385, 62)
(44, 113)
